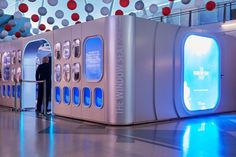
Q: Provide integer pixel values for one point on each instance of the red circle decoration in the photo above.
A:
(210, 5)
(75, 16)
(7, 27)
(42, 27)
(166, 11)
(35, 18)
(124, 3)
(119, 12)
(18, 34)
(47, 30)
(23, 7)
(71, 4)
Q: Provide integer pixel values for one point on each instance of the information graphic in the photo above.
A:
(201, 73)
(94, 58)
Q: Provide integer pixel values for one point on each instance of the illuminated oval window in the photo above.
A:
(13, 90)
(13, 74)
(66, 50)
(66, 72)
(18, 91)
(6, 61)
(4, 90)
(93, 56)
(13, 57)
(99, 97)
(76, 48)
(58, 95)
(57, 51)
(8, 90)
(66, 95)
(19, 54)
(76, 96)
(87, 97)
(76, 72)
(18, 74)
(57, 73)
(201, 73)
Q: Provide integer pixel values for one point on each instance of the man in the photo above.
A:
(43, 72)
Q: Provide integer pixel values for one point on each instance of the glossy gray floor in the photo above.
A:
(27, 135)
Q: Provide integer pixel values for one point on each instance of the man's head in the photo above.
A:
(45, 60)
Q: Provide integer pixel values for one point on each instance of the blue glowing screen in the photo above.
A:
(98, 97)
(8, 90)
(13, 91)
(93, 58)
(58, 94)
(66, 94)
(0, 90)
(18, 91)
(201, 73)
(76, 96)
(87, 97)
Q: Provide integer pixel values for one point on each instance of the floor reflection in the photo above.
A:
(48, 136)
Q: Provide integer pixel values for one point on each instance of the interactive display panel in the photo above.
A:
(13, 74)
(66, 50)
(87, 97)
(6, 62)
(57, 73)
(19, 53)
(13, 57)
(93, 49)
(98, 97)
(18, 74)
(58, 95)
(76, 48)
(76, 72)
(66, 72)
(76, 96)
(57, 51)
(201, 73)
(66, 95)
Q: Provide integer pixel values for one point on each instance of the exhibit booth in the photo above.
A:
(123, 70)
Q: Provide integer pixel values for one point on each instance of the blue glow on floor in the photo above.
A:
(22, 135)
(201, 139)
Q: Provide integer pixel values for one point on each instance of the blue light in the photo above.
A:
(13, 90)
(8, 90)
(18, 91)
(201, 73)
(201, 139)
(87, 97)
(98, 97)
(66, 94)
(58, 94)
(4, 90)
(76, 96)
(93, 58)
(22, 135)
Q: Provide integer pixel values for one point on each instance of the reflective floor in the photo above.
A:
(28, 135)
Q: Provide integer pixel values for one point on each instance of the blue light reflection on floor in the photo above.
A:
(22, 135)
(201, 139)
(51, 138)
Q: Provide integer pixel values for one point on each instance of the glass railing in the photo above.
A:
(224, 11)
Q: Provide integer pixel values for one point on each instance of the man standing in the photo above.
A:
(43, 72)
